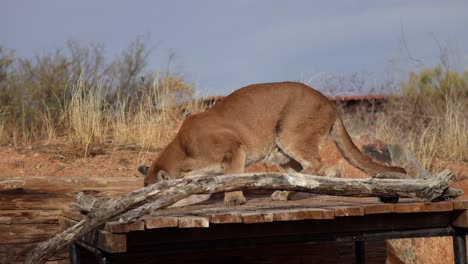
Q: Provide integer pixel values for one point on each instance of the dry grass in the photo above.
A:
(154, 121)
(3, 128)
(440, 137)
(87, 122)
(86, 117)
(431, 118)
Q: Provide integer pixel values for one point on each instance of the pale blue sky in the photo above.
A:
(223, 45)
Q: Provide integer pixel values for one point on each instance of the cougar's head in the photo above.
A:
(153, 174)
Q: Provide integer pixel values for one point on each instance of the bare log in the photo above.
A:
(166, 193)
(426, 190)
(403, 157)
(86, 203)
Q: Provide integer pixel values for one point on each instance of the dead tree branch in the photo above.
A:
(166, 193)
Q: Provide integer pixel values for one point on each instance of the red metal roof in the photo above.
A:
(333, 98)
(361, 97)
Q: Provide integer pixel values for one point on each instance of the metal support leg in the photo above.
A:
(459, 248)
(74, 254)
(360, 251)
(102, 259)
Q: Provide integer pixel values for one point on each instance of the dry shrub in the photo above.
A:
(153, 122)
(3, 125)
(87, 115)
(431, 117)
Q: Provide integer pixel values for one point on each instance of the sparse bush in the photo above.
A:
(3, 129)
(153, 122)
(77, 96)
(431, 117)
(431, 91)
(86, 115)
(38, 95)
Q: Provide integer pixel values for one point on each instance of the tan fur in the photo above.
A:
(282, 123)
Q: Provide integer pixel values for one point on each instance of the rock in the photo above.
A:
(423, 250)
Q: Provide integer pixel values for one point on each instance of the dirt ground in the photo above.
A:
(62, 160)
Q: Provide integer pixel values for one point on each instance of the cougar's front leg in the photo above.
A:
(234, 162)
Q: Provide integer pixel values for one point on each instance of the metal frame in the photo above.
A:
(459, 247)
(458, 234)
(360, 251)
(75, 257)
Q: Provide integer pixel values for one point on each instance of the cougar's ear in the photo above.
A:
(162, 176)
(143, 169)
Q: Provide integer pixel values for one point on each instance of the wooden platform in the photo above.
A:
(179, 233)
(30, 208)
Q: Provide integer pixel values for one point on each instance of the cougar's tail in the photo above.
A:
(354, 156)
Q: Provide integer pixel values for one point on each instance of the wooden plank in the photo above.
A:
(160, 222)
(61, 185)
(26, 233)
(423, 207)
(15, 253)
(302, 214)
(34, 202)
(117, 227)
(461, 220)
(73, 214)
(55, 193)
(381, 208)
(193, 222)
(102, 239)
(257, 217)
(326, 200)
(29, 216)
(341, 211)
(224, 218)
(460, 204)
(111, 226)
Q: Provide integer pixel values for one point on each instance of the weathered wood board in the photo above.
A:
(260, 209)
(30, 208)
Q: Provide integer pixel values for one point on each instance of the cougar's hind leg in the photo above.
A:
(305, 151)
(306, 160)
(234, 162)
(290, 166)
(301, 142)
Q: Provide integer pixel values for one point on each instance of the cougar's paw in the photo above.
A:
(280, 196)
(234, 198)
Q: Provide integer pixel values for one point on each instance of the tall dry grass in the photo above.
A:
(3, 129)
(74, 93)
(443, 138)
(153, 122)
(431, 117)
(87, 117)
(88, 122)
